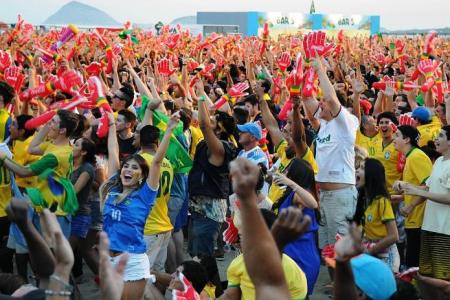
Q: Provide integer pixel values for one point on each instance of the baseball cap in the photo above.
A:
(422, 113)
(251, 128)
(373, 277)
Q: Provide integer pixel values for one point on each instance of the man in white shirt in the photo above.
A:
(435, 236)
(249, 135)
(335, 158)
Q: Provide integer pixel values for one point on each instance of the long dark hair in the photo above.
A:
(116, 184)
(88, 146)
(374, 187)
(301, 172)
(228, 127)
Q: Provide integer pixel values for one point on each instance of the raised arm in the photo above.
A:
(411, 97)
(113, 147)
(215, 147)
(298, 130)
(346, 248)
(302, 197)
(329, 94)
(116, 80)
(267, 117)
(358, 87)
(38, 139)
(377, 108)
(154, 174)
(151, 107)
(41, 257)
(151, 83)
(141, 87)
(356, 106)
(257, 242)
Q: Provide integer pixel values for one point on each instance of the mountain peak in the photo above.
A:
(81, 14)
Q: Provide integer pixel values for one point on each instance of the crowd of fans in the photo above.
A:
(148, 156)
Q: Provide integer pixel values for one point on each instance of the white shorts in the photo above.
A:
(137, 268)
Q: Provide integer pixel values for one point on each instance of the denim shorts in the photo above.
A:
(203, 233)
(174, 207)
(182, 217)
(80, 225)
(96, 216)
(64, 222)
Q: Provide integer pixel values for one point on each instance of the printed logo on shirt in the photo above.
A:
(369, 218)
(324, 140)
(116, 214)
(387, 155)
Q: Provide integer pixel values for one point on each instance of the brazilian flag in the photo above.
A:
(176, 154)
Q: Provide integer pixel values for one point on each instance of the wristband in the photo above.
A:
(58, 293)
(67, 286)
(152, 279)
(202, 98)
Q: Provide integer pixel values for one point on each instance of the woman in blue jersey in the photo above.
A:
(128, 196)
(301, 192)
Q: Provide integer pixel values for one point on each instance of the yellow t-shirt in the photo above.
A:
(5, 189)
(417, 170)
(210, 291)
(428, 132)
(5, 122)
(196, 137)
(5, 177)
(295, 278)
(53, 187)
(388, 157)
(22, 157)
(275, 192)
(158, 220)
(376, 215)
(368, 143)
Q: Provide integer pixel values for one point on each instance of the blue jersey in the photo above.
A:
(303, 250)
(124, 222)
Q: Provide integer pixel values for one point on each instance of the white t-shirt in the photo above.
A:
(335, 154)
(437, 215)
(256, 155)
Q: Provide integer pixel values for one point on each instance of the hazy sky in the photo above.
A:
(395, 14)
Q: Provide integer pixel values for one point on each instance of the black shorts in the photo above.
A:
(412, 247)
(435, 255)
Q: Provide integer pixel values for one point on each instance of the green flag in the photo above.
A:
(176, 153)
